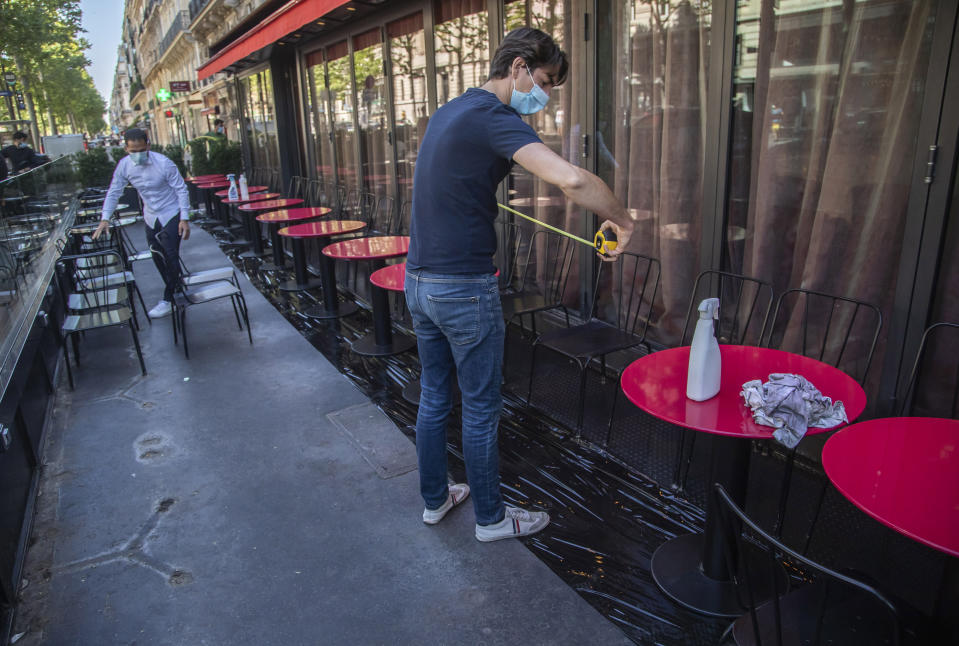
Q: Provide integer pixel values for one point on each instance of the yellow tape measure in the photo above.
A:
(602, 242)
(605, 242)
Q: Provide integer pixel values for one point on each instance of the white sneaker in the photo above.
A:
(518, 522)
(163, 308)
(458, 493)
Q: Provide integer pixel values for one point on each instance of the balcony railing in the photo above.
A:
(196, 6)
(180, 22)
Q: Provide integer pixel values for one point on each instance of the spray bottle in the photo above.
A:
(244, 189)
(702, 380)
(232, 194)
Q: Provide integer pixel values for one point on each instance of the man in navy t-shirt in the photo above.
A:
(451, 289)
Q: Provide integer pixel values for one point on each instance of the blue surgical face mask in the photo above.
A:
(23, 144)
(139, 158)
(528, 102)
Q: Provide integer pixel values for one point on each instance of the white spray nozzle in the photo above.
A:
(709, 309)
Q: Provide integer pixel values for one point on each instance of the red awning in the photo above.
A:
(281, 22)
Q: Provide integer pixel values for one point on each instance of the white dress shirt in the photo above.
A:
(160, 185)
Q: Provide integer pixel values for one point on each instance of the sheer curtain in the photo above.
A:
(650, 139)
(831, 123)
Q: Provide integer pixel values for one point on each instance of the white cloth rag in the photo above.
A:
(791, 404)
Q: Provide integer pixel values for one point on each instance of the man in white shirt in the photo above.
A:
(166, 208)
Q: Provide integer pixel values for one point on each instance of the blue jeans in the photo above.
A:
(459, 321)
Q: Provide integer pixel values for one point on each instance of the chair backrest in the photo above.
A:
(744, 304)
(367, 210)
(384, 212)
(402, 226)
(541, 261)
(770, 626)
(840, 331)
(933, 386)
(634, 283)
(87, 273)
(298, 188)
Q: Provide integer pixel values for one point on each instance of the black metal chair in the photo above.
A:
(833, 608)
(402, 225)
(744, 305)
(197, 292)
(91, 302)
(836, 330)
(634, 285)
(538, 274)
(932, 389)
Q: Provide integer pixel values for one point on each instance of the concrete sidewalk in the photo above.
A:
(252, 495)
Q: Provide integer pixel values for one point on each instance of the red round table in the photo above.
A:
(245, 216)
(323, 230)
(376, 248)
(382, 342)
(201, 179)
(904, 472)
(274, 220)
(207, 188)
(279, 260)
(691, 568)
(250, 190)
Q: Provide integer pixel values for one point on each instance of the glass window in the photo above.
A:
(651, 95)
(825, 110)
(375, 167)
(318, 117)
(560, 126)
(341, 97)
(257, 101)
(461, 39)
(408, 57)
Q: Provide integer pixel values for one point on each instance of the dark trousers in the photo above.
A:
(166, 240)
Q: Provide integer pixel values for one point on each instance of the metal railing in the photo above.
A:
(196, 6)
(180, 23)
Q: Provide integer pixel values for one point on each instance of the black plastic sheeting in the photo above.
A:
(607, 519)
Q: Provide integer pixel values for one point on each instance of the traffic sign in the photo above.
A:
(10, 77)
(20, 102)
(6, 93)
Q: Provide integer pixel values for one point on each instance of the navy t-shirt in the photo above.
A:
(465, 154)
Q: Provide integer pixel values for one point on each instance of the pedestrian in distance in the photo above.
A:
(451, 290)
(166, 208)
(21, 155)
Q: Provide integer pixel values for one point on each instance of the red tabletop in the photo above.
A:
(322, 228)
(250, 189)
(271, 205)
(904, 472)
(369, 248)
(391, 278)
(201, 179)
(656, 383)
(216, 184)
(256, 197)
(292, 215)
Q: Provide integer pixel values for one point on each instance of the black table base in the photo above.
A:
(293, 285)
(368, 347)
(325, 313)
(677, 569)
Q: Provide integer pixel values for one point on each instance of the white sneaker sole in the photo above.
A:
(516, 533)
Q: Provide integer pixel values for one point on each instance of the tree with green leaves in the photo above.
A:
(42, 43)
